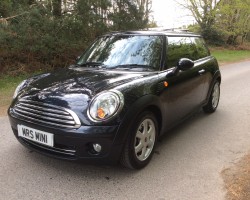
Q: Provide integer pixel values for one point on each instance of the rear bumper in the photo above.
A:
(75, 144)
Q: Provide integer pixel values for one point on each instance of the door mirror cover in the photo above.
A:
(185, 64)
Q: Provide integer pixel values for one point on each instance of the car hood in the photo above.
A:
(80, 81)
(74, 88)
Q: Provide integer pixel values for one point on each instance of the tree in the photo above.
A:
(51, 33)
(5, 8)
(204, 12)
(221, 18)
(234, 19)
(57, 7)
(130, 14)
(144, 7)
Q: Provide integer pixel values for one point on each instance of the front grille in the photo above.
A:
(46, 114)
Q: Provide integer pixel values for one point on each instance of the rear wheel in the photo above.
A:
(213, 99)
(140, 144)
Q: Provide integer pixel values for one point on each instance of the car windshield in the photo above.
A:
(124, 52)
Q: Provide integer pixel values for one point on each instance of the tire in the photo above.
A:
(213, 99)
(140, 144)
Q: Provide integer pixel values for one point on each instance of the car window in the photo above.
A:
(202, 50)
(116, 51)
(180, 47)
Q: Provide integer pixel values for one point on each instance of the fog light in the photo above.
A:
(97, 147)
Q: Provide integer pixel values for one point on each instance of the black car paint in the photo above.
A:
(73, 88)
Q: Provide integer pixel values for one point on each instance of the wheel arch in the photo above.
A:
(216, 77)
(148, 102)
(157, 113)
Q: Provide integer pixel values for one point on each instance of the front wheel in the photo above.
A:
(140, 144)
(213, 99)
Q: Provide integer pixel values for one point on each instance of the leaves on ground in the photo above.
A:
(237, 180)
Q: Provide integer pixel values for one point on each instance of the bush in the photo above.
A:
(37, 41)
(37, 38)
(213, 36)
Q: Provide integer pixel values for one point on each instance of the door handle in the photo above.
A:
(202, 71)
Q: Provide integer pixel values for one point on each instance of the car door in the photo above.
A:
(206, 63)
(184, 90)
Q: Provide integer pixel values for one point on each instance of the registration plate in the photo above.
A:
(36, 135)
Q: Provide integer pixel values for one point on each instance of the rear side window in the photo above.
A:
(201, 47)
(180, 47)
(193, 48)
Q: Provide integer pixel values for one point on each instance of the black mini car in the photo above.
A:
(126, 90)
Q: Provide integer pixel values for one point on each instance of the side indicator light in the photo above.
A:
(165, 83)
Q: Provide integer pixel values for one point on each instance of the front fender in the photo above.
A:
(144, 103)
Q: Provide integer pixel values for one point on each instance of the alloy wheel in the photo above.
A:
(144, 139)
(216, 95)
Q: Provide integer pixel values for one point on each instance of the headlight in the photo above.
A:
(105, 105)
(18, 88)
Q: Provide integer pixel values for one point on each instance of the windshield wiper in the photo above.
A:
(133, 66)
(99, 65)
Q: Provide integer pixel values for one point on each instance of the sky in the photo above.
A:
(169, 14)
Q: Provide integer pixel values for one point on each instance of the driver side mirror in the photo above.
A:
(185, 64)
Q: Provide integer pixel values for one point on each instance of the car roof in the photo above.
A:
(166, 32)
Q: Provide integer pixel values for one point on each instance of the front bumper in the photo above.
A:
(75, 144)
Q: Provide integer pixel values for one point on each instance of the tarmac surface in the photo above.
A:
(187, 163)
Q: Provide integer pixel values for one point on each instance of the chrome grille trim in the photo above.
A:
(42, 108)
(44, 117)
(38, 112)
(54, 149)
(42, 112)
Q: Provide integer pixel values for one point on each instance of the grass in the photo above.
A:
(227, 56)
(7, 88)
